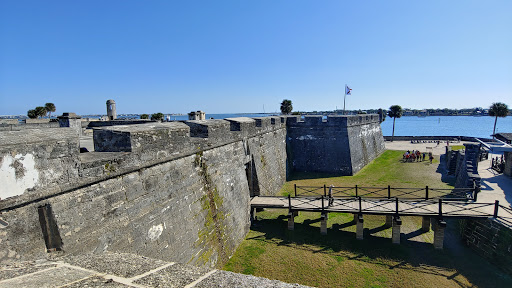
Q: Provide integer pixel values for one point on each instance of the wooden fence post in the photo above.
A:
(440, 208)
(496, 206)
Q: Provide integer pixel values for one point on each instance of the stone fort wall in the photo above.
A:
(176, 191)
(339, 145)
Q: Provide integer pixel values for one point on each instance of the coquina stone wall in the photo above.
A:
(176, 191)
(491, 239)
(183, 198)
(508, 163)
(340, 145)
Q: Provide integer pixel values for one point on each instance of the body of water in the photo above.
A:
(446, 126)
(418, 126)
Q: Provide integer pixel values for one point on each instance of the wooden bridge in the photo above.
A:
(431, 204)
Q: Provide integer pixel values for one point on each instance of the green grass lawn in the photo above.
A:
(458, 147)
(337, 259)
(387, 169)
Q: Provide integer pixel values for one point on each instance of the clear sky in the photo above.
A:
(241, 56)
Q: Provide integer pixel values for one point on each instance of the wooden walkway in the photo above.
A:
(387, 206)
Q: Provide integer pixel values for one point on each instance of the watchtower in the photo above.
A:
(111, 109)
(196, 115)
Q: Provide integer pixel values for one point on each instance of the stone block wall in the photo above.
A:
(491, 239)
(340, 145)
(508, 163)
(41, 158)
(190, 205)
(466, 171)
(11, 126)
(175, 191)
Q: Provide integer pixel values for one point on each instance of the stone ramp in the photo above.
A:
(121, 270)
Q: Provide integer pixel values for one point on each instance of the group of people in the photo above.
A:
(417, 156)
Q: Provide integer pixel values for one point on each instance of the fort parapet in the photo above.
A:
(178, 191)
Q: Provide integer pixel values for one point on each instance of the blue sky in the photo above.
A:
(238, 56)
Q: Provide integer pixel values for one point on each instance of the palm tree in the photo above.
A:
(40, 111)
(50, 107)
(395, 111)
(497, 109)
(32, 114)
(286, 106)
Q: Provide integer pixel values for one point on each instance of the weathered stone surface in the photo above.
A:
(229, 279)
(37, 159)
(341, 145)
(508, 163)
(118, 264)
(54, 277)
(175, 196)
(16, 269)
(142, 138)
(213, 129)
(96, 282)
(163, 210)
(177, 275)
(126, 270)
(491, 239)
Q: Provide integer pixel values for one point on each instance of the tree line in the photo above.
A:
(155, 116)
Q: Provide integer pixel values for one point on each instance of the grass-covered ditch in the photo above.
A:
(339, 260)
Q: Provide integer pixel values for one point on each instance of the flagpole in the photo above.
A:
(344, 99)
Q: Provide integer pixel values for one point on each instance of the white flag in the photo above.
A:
(347, 90)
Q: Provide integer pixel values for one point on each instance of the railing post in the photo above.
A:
(356, 192)
(322, 204)
(325, 191)
(289, 203)
(389, 192)
(475, 190)
(396, 205)
(496, 206)
(295, 189)
(426, 192)
(360, 206)
(440, 208)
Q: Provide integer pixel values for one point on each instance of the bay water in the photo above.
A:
(418, 126)
(446, 126)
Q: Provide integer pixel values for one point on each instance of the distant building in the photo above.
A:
(196, 115)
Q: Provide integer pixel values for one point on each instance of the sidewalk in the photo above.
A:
(423, 147)
(494, 186)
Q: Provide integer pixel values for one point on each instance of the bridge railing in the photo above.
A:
(403, 207)
(503, 214)
(388, 192)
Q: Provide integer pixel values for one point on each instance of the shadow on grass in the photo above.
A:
(410, 255)
(295, 175)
